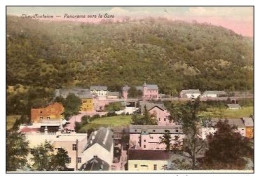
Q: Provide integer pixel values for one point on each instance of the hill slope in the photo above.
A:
(174, 55)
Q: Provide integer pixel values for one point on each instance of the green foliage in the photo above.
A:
(187, 115)
(115, 106)
(45, 159)
(71, 105)
(173, 54)
(145, 119)
(134, 93)
(16, 151)
(226, 148)
(166, 139)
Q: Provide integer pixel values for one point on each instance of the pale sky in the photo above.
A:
(238, 19)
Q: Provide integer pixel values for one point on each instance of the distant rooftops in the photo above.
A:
(151, 86)
(103, 137)
(79, 92)
(148, 155)
(190, 91)
(155, 129)
(113, 94)
(98, 88)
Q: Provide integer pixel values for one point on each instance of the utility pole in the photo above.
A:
(77, 154)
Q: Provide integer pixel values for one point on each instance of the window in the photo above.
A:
(164, 119)
(153, 130)
(144, 146)
(159, 119)
(135, 165)
(144, 140)
(41, 118)
(155, 167)
(48, 118)
(177, 131)
(79, 159)
(69, 160)
(74, 147)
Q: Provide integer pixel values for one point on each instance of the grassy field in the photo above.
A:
(228, 113)
(114, 121)
(10, 121)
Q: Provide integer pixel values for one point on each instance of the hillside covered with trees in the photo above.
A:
(173, 54)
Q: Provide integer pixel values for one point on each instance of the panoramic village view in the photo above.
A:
(128, 94)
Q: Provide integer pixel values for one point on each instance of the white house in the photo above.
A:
(190, 93)
(99, 145)
(208, 127)
(99, 91)
(213, 94)
(234, 106)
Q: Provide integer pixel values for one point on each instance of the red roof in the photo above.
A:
(148, 155)
(28, 130)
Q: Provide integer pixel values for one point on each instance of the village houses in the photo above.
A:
(190, 93)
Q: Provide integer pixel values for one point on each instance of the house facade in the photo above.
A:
(150, 92)
(190, 93)
(100, 144)
(249, 124)
(147, 160)
(99, 91)
(209, 127)
(50, 112)
(158, 111)
(73, 143)
(148, 137)
(87, 104)
(112, 95)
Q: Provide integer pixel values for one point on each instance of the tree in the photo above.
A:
(16, 151)
(72, 105)
(45, 158)
(145, 119)
(166, 139)
(227, 149)
(115, 106)
(187, 115)
(42, 156)
(59, 160)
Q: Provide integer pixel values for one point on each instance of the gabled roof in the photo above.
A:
(190, 91)
(139, 88)
(150, 105)
(95, 164)
(148, 155)
(98, 88)
(103, 137)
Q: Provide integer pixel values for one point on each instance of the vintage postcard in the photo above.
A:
(129, 89)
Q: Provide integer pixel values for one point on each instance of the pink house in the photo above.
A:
(148, 137)
(150, 92)
(159, 111)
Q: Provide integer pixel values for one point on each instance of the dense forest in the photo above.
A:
(173, 54)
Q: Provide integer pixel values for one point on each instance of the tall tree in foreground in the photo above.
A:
(187, 115)
(16, 151)
(227, 149)
(46, 159)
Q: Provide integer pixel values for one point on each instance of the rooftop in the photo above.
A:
(148, 155)
(190, 91)
(95, 164)
(113, 93)
(79, 92)
(150, 105)
(98, 87)
(233, 106)
(103, 137)
(214, 92)
(248, 121)
(236, 122)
